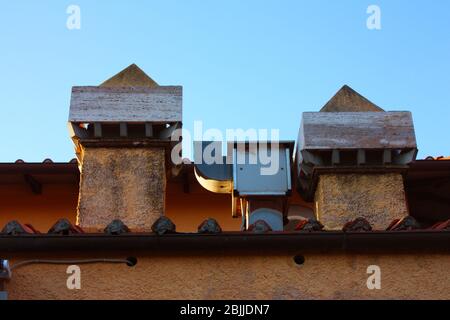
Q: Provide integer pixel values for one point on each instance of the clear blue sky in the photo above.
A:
(243, 64)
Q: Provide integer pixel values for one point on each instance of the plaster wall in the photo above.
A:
(237, 276)
(380, 198)
(121, 183)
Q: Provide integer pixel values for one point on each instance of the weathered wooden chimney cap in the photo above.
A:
(130, 96)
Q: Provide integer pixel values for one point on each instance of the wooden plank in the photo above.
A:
(361, 157)
(97, 130)
(356, 130)
(148, 130)
(99, 104)
(123, 129)
(335, 157)
(387, 156)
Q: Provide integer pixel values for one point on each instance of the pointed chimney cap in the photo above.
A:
(348, 100)
(131, 76)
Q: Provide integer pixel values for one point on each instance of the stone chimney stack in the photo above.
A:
(350, 159)
(121, 131)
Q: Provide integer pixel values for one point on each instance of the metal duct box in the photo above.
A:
(262, 169)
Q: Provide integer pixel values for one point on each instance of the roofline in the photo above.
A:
(39, 168)
(294, 242)
(429, 165)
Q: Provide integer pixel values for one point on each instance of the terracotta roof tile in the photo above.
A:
(406, 223)
(64, 227)
(165, 226)
(116, 227)
(358, 225)
(209, 226)
(309, 225)
(437, 158)
(442, 225)
(259, 226)
(47, 161)
(30, 228)
(15, 228)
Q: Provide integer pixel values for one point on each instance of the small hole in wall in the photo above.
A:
(299, 259)
(131, 261)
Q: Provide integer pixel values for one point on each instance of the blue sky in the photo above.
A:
(243, 64)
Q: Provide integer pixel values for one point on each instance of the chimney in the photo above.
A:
(350, 159)
(121, 131)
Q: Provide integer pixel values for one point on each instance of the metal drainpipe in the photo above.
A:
(5, 275)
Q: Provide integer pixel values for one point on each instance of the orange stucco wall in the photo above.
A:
(187, 210)
(246, 276)
(18, 202)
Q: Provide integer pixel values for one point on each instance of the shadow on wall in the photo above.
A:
(186, 208)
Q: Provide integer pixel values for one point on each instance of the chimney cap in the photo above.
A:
(348, 100)
(130, 96)
(131, 76)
